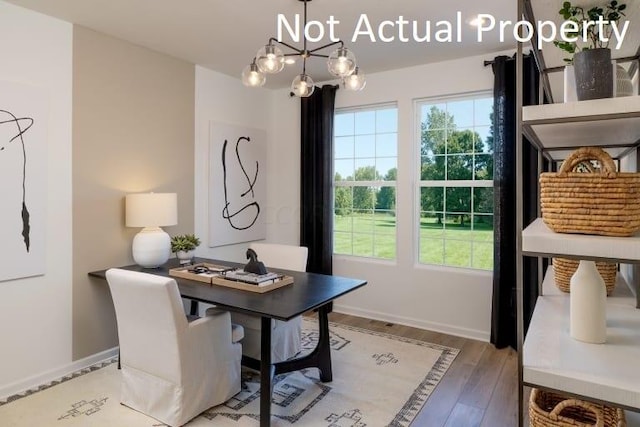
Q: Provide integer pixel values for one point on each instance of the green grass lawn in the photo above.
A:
(448, 243)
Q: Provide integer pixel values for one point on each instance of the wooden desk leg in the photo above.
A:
(324, 345)
(266, 373)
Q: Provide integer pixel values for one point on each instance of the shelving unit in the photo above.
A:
(550, 358)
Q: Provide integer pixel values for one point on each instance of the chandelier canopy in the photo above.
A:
(271, 59)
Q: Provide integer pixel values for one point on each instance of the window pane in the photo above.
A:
(483, 255)
(483, 167)
(343, 147)
(455, 145)
(344, 169)
(365, 150)
(387, 169)
(386, 200)
(432, 169)
(458, 199)
(365, 122)
(461, 112)
(482, 114)
(365, 170)
(365, 146)
(484, 135)
(343, 124)
(387, 145)
(431, 224)
(432, 199)
(457, 253)
(482, 228)
(483, 200)
(363, 244)
(459, 167)
(434, 142)
(342, 243)
(343, 203)
(387, 120)
(432, 251)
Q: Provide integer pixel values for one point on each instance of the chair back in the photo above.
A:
(151, 322)
(287, 257)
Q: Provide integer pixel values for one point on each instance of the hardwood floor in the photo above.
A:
(479, 389)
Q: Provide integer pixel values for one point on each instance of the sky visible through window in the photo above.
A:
(365, 138)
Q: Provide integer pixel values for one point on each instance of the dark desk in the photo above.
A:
(309, 291)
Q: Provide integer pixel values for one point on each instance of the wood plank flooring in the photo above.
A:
(479, 389)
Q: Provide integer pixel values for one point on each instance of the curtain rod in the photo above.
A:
(511, 58)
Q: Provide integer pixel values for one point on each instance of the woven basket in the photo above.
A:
(564, 268)
(605, 202)
(547, 409)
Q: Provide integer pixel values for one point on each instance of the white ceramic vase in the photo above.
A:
(185, 257)
(588, 299)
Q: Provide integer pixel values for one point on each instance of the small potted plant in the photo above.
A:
(591, 59)
(184, 245)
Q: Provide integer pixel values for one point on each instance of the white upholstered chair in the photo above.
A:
(172, 369)
(285, 336)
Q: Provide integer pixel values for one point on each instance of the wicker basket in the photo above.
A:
(547, 409)
(564, 268)
(605, 202)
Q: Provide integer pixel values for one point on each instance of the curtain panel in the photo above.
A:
(316, 178)
(503, 313)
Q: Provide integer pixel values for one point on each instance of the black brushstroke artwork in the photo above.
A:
(26, 228)
(226, 213)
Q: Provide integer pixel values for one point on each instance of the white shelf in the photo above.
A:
(538, 239)
(621, 294)
(608, 372)
(610, 121)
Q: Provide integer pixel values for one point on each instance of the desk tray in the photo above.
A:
(213, 279)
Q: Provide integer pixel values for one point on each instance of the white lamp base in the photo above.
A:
(151, 247)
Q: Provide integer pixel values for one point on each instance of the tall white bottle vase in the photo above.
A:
(588, 304)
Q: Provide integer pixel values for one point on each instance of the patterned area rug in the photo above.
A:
(378, 380)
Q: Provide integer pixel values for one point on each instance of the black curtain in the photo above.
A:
(316, 178)
(503, 315)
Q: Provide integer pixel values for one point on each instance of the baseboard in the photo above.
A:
(474, 334)
(54, 374)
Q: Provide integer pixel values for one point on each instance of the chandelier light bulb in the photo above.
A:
(302, 86)
(341, 62)
(355, 81)
(270, 59)
(252, 77)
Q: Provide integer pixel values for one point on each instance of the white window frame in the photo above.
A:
(377, 183)
(419, 183)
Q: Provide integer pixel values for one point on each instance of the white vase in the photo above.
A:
(569, 84)
(185, 257)
(588, 299)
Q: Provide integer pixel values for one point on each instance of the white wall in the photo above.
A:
(224, 99)
(35, 313)
(455, 301)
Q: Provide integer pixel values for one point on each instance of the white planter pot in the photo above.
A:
(185, 257)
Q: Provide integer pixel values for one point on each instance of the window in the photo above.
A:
(365, 156)
(455, 190)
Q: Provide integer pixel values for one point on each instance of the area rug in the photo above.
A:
(378, 380)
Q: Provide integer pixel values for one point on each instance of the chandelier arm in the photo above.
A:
(340, 42)
(293, 48)
(318, 55)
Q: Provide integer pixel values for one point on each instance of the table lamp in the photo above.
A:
(152, 245)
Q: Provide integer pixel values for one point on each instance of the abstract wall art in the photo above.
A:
(23, 180)
(237, 184)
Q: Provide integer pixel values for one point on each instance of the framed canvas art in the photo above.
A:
(237, 184)
(23, 180)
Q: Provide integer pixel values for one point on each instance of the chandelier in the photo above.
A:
(271, 59)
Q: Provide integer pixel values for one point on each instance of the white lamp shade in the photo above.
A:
(151, 209)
